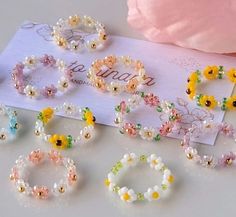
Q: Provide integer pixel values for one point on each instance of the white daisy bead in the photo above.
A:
(153, 193)
(127, 195)
(31, 91)
(155, 162)
(129, 160)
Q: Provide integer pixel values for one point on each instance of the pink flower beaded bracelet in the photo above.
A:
(146, 133)
(129, 195)
(20, 77)
(209, 161)
(108, 63)
(19, 174)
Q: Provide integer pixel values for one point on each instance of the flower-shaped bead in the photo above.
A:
(147, 133)
(109, 181)
(31, 91)
(153, 193)
(129, 159)
(127, 195)
(155, 162)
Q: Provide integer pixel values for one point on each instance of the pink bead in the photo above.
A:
(72, 177)
(48, 60)
(36, 156)
(151, 100)
(55, 157)
(40, 192)
(166, 128)
(130, 129)
(49, 91)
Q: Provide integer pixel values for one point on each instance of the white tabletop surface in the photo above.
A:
(196, 192)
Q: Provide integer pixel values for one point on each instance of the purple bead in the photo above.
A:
(49, 91)
(48, 60)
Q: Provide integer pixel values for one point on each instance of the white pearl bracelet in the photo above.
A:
(131, 160)
(20, 174)
(70, 33)
(65, 141)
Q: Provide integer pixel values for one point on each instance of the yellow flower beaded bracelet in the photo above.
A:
(210, 102)
(65, 141)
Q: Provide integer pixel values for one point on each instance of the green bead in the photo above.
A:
(221, 68)
(117, 108)
(164, 187)
(140, 196)
(223, 108)
(198, 72)
(143, 158)
(157, 137)
(159, 109)
(116, 188)
(142, 94)
(164, 168)
(127, 110)
(122, 132)
(40, 116)
(69, 139)
(114, 170)
(138, 126)
(119, 165)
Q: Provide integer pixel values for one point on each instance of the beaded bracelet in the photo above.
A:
(146, 133)
(108, 63)
(23, 86)
(208, 161)
(65, 33)
(19, 175)
(211, 73)
(13, 125)
(65, 141)
(131, 160)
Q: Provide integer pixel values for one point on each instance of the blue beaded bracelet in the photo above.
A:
(10, 131)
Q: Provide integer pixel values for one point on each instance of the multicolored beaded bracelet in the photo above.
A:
(147, 133)
(20, 179)
(13, 125)
(108, 63)
(65, 141)
(209, 161)
(67, 33)
(131, 160)
(211, 73)
(23, 86)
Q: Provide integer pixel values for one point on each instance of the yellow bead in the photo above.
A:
(171, 179)
(126, 196)
(155, 195)
(107, 182)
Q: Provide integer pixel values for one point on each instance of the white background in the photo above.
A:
(197, 191)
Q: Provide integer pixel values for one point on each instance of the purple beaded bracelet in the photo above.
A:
(209, 161)
(24, 87)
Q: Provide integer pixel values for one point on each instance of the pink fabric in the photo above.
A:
(207, 25)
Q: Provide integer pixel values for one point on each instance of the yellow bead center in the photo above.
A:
(107, 182)
(126, 196)
(155, 195)
(155, 162)
(171, 179)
